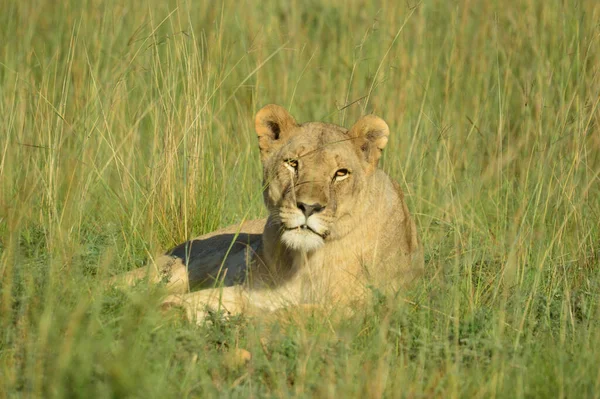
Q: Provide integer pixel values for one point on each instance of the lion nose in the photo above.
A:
(308, 210)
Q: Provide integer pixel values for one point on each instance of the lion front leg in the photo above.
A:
(232, 300)
(197, 304)
(165, 269)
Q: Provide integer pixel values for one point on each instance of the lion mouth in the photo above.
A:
(306, 228)
(302, 238)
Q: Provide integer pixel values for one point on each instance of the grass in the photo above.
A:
(127, 127)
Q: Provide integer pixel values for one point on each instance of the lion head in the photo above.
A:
(316, 174)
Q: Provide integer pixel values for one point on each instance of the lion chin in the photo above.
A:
(302, 239)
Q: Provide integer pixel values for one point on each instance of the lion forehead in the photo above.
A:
(320, 142)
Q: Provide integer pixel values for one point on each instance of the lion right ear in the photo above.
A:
(273, 125)
(370, 134)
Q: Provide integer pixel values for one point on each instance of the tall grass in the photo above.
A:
(127, 127)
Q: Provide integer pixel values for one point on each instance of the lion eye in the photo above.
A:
(291, 164)
(341, 174)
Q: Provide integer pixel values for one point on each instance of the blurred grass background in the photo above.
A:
(127, 127)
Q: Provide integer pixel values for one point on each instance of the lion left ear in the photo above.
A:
(370, 135)
(274, 125)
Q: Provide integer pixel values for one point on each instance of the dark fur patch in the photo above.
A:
(274, 127)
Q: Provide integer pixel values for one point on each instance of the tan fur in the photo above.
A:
(358, 233)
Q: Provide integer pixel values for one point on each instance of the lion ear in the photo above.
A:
(273, 125)
(370, 135)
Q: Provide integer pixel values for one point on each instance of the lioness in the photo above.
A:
(337, 226)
